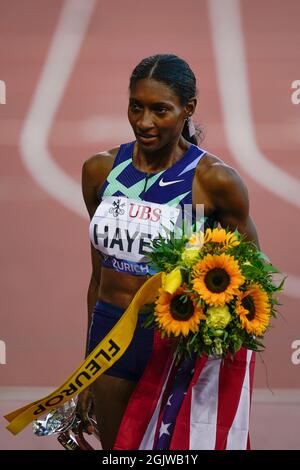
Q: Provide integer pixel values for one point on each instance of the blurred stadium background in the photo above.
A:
(64, 71)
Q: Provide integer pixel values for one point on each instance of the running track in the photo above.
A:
(66, 66)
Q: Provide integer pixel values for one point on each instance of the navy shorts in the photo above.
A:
(133, 362)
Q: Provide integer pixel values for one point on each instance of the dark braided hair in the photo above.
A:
(174, 72)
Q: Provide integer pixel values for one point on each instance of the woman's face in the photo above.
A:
(155, 114)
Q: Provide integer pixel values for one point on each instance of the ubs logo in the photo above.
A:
(144, 212)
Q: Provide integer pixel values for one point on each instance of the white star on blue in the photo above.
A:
(169, 400)
(164, 429)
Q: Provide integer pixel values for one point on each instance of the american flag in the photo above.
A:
(202, 404)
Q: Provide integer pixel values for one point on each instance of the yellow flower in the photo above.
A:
(175, 316)
(190, 255)
(253, 308)
(196, 240)
(218, 317)
(219, 235)
(172, 280)
(217, 279)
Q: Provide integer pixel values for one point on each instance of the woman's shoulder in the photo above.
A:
(101, 159)
(216, 175)
(98, 166)
(94, 172)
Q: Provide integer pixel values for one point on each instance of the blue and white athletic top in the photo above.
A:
(136, 207)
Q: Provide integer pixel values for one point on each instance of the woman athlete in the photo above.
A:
(163, 167)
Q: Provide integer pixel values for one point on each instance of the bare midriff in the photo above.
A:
(118, 288)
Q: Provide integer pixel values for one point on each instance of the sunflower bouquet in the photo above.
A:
(218, 292)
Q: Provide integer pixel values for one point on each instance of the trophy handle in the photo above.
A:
(73, 438)
(68, 441)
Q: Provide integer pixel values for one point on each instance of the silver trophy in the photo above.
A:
(67, 423)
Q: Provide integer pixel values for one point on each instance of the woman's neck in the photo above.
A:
(159, 160)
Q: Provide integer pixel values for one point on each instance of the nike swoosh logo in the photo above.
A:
(166, 183)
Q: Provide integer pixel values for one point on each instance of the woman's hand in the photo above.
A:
(84, 407)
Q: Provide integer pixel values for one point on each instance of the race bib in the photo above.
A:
(124, 228)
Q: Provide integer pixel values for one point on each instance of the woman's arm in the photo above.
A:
(92, 294)
(94, 173)
(89, 196)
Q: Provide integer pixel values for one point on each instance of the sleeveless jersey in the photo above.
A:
(137, 207)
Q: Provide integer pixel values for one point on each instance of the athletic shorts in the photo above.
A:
(132, 363)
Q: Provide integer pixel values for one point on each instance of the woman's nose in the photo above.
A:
(145, 120)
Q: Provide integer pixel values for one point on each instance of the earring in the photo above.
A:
(191, 127)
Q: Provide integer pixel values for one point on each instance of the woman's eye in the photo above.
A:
(135, 107)
(161, 110)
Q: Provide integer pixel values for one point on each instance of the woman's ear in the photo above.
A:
(190, 107)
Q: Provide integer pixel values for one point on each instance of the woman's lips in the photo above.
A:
(146, 139)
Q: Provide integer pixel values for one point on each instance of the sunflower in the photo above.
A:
(176, 316)
(217, 279)
(253, 308)
(219, 235)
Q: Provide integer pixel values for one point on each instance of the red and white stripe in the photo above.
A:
(214, 413)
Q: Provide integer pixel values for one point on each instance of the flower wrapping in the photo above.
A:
(218, 292)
